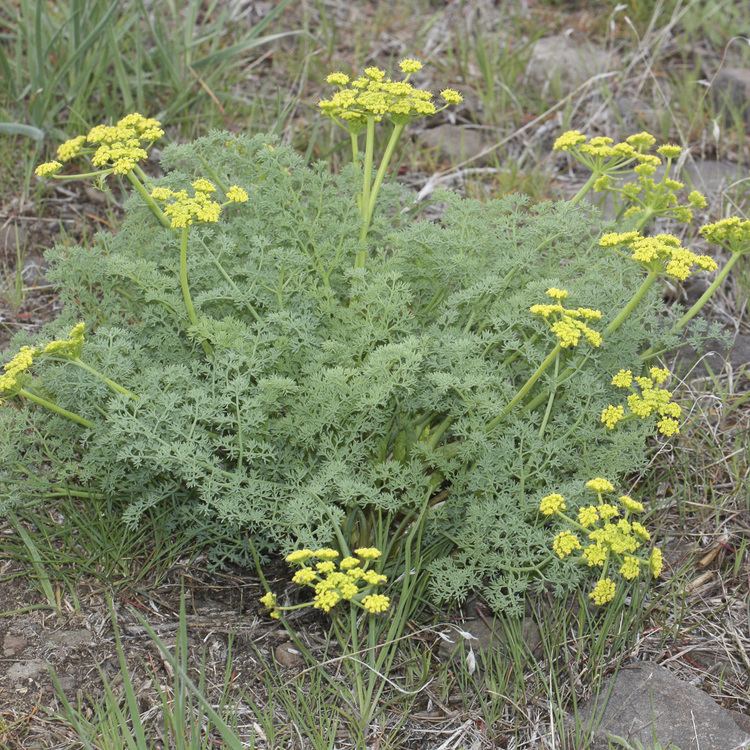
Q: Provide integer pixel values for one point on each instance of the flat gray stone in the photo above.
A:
(485, 636)
(647, 704)
(71, 639)
(732, 86)
(13, 644)
(568, 61)
(453, 142)
(714, 358)
(22, 671)
(711, 177)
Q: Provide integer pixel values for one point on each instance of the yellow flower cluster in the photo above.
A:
(374, 95)
(662, 253)
(17, 367)
(70, 347)
(115, 148)
(551, 504)
(352, 580)
(603, 542)
(605, 157)
(651, 198)
(184, 209)
(644, 401)
(732, 233)
(568, 324)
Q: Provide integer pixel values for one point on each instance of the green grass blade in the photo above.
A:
(17, 128)
(36, 562)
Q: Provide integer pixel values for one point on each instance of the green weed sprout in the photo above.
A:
(359, 105)
(602, 542)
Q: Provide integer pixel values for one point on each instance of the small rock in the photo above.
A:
(454, 143)
(732, 86)
(22, 671)
(714, 357)
(561, 58)
(288, 655)
(711, 177)
(647, 704)
(71, 639)
(486, 635)
(13, 644)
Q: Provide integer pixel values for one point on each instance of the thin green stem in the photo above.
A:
(697, 306)
(398, 129)
(190, 309)
(149, 201)
(108, 381)
(81, 175)
(52, 406)
(578, 197)
(142, 176)
(367, 171)
(551, 400)
(715, 284)
(635, 300)
(526, 387)
(355, 148)
(619, 319)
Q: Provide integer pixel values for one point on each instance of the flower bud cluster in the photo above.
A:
(183, 209)
(605, 157)
(352, 580)
(114, 148)
(15, 370)
(605, 536)
(662, 253)
(732, 233)
(374, 95)
(568, 324)
(645, 400)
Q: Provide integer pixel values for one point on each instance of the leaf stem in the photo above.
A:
(52, 406)
(526, 387)
(190, 309)
(149, 201)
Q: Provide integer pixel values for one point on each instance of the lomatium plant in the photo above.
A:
(460, 374)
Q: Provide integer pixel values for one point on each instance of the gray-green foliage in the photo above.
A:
(323, 376)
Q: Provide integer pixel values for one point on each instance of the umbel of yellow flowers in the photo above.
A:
(351, 580)
(645, 400)
(605, 536)
(377, 96)
(568, 324)
(112, 148)
(183, 209)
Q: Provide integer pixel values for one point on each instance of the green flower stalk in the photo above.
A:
(183, 210)
(359, 106)
(609, 162)
(569, 326)
(605, 158)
